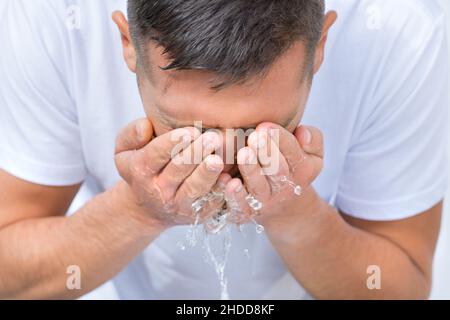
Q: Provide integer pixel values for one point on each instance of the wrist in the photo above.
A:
(307, 220)
(122, 200)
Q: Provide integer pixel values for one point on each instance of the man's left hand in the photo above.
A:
(273, 164)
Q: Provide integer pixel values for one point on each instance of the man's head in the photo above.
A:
(227, 63)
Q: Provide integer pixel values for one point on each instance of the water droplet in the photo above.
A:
(258, 206)
(259, 229)
(254, 203)
(216, 223)
(181, 245)
(191, 236)
(297, 189)
(197, 205)
(247, 253)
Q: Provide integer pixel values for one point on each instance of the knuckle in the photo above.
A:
(134, 171)
(191, 191)
(206, 174)
(136, 168)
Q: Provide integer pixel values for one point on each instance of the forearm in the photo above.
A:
(101, 238)
(330, 258)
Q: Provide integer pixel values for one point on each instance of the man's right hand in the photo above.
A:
(163, 184)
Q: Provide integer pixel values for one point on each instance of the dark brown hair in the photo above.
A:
(235, 39)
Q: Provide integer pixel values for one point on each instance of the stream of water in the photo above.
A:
(219, 226)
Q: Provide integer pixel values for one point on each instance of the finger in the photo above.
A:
(215, 205)
(273, 163)
(287, 144)
(222, 182)
(254, 179)
(311, 140)
(184, 163)
(159, 152)
(236, 197)
(134, 136)
(202, 180)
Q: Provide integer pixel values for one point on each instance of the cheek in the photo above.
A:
(148, 94)
(159, 129)
(295, 123)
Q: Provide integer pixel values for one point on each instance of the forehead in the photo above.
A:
(184, 96)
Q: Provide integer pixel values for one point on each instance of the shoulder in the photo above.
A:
(58, 13)
(369, 22)
(53, 26)
(425, 10)
(36, 9)
(37, 19)
(382, 56)
(381, 37)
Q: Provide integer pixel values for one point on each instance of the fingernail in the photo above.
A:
(187, 138)
(213, 165)
(246, 156)
(241, 157)
(239, 188)
(306, 136)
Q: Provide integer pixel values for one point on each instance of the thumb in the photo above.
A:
(134, 136)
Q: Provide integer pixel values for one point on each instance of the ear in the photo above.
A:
(129, 51)
(330, 19)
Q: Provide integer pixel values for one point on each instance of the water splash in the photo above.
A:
(258, 227)
(297, 188)
(219, 227)
(181, 245)
(197, 205)
(217, 222)
(219, 261)
(254, 203)
(247, 253)
(192, 233)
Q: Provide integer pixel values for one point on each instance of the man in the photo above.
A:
(379, 100)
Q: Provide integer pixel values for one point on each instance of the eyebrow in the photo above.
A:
(176, 125)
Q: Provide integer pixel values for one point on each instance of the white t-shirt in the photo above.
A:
(380, 100)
